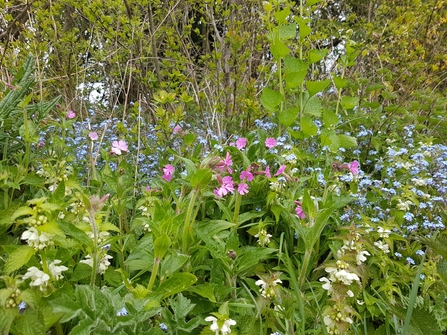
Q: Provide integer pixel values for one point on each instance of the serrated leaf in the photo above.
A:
(317, 55)
(19, 258)
(313, 106)
(279, 49)
(79, 235)
(270, 99)
(305, 30)
(295, 79)
(287, 32)
(25, 210)
(294, 65)
(329, 118)
(314, 87)
(347, 142)
(281, 16)
(340, 82)
(288, 117)
(349, 102)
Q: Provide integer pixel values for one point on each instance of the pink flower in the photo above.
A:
(177, 129)
(93, 135)
(242, 188)
(227, 162)
(354, 167)
(246, 175)
(270, 142)
(241, 143)
(168, 171)
(280, 170)
(267, 172)
(299, 210)
(227, 185)
(71, 115)
(118, 147)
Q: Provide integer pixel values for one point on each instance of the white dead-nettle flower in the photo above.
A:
(263, 237)
(344, 276)
(382, 246)
(418, 181)
(350, 293)
(102, 235)
(327, 285)
(384, 233)
(37, 240)
(38, 278)
(267, 290)
(220, 326)
(404, 205)
(103, 263)
(56, 270)
(361, 256)
(407, 165)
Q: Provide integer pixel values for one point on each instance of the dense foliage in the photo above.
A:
(222, 167)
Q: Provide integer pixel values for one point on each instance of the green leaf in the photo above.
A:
(340, 82)
(329, 118)
(161, 246)
(205, 290)
(349, 102)
(294, 65)
(19, 258)
(177, 283)
(270, 99)
(308, 127)
(281, 15)
(314, 87)
(201, 178)
(25, 210)
(79, 235)
(287, 32)
(189, 139)
(347, 142)
(288, 117)
(279, 49)
(317, 55)
(250, 257)
(312, 2)
(305, 30)
(313, 106)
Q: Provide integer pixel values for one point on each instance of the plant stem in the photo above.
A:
(153, 274)
(304, 266)
(237, 208)
(188, 226)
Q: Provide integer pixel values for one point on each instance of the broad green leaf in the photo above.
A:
(308, 126)
(313, 106)
(349, 102)
(312, 2)
(314, 87)
(179, 282)
(279, 49)
(247, 216)
(317, 55)
(270, 99)
(250, 257)
(70, 308)
(25, 210)
(287, 32)
(305, 30)
(189, 139)
(205, 290)
(281, 15)
(79, 235)
(19, 258)
(161, 246)
(295, 79)
(347, 142)
(294, 65)
(201, 178)
(340, 82)
(329, 118)
(288, 117)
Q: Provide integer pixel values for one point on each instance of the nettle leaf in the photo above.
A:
(250, 257)
(317, 55)
(314, 87)
(287, 32)
(270, 99)
(281, 16)
(308, 126)
(349, 102)
(19, 258)
(288, 117)
(295, 71)
(279, 49)
(340, 82)
(78, 234)
(305, 30)
(313, 106)
(329, 118)
(25, 210)
(347, 142)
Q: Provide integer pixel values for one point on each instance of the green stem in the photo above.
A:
(27, 142)
(153, 274)
(95, 251)
(237, 208)
(304, 267)
(188, 226)
(59, 329)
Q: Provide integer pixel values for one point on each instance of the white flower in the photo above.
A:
(346, 277)
(361, 256)
(267, 290)
(382, 246)
(35, 239)
(103, 263)
(327, 284)
(404, 205)
(350, 293)
(224, 329)
(418, 181)
(38, 277)
(384, 233)
(56, 270)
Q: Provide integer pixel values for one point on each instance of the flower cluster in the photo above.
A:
(41, 279)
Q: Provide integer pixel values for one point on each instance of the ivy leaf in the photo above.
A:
(19, 258)
(288, 117)
(270, 99)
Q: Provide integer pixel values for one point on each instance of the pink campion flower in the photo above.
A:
(280, 170)
(168, 171)
(227, 162)
(270, 142)
(241, 143)
(246, 175)
(242, 188)
(299, 210)
(93, 135)
(118, 147)
(177, 129)
(227, 186)
(354, 167)
(267, 172)
(71, 115)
